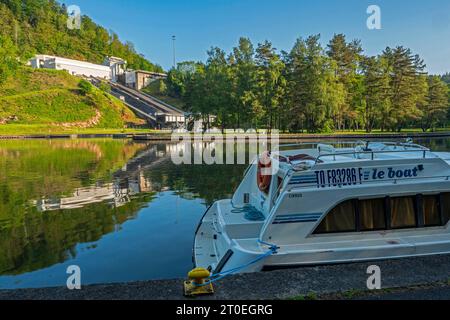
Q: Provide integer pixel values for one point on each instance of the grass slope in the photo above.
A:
(153, 90)
(51, 101)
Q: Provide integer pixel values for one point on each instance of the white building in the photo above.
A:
(74, 67)
(117, 66)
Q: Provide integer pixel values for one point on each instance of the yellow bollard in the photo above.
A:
(196, 285)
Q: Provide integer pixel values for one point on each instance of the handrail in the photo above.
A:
(404, 144)
(353, 143)
(317, 143)
(394, 181)
(372, 153)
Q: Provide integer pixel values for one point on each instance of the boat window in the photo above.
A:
(387, 213)
(431, 214)
(445, 202)
(372, 214)
(341, 219)
(403, 213)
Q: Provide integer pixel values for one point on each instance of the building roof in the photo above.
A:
(152, 73)
(72, 62)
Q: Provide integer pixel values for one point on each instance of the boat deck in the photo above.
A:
(320, 251)
(345, 155)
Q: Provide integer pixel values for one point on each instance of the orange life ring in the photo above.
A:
(264, 180)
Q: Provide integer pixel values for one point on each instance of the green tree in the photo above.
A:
(244, 77)
(314, 93)
(408, 86)
(376, 81)
(436, 106)
(8, 58)
(219, 86)
(270, 85)
(178, 78)
(347, 57)
(40, 26)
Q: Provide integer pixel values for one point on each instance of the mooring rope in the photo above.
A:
(250, 213)
(219, 276)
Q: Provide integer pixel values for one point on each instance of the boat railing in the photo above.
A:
(353, 143)
(416, 148)
(393, 181)
(313, 143)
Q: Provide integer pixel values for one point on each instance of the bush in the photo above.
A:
(8, 58)
(104, 87)
(162, 87)
(85, 87)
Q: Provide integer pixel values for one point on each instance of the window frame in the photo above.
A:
(416, 226)
(353, 201)
(418, 214)
(440, 210)
(441, 204)
(385, 206)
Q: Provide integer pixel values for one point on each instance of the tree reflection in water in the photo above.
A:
(57, 194)
(60, 198)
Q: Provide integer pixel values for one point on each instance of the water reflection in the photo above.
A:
(120, 210)
(115, 194)
(72, 202)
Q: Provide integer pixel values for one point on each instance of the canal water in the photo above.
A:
(120, 210)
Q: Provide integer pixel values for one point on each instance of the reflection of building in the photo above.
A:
(117, 194)
(128, 181)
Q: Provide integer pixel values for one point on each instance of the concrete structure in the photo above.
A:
(74, 67)
(113, 69)
(117, 66)
(140, 79)
(171, 120)
(162, 114)
(130, 79)
(144, 78)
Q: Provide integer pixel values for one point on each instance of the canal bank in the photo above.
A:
(300, 137)
(433, 271)
(166, 137)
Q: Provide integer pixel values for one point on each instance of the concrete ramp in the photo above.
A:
(165, 115)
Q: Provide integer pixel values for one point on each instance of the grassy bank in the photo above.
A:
(52, 102)
(32, 129)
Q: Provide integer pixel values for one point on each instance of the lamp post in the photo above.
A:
(174, 56)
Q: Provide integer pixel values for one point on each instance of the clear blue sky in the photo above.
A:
(422, 25)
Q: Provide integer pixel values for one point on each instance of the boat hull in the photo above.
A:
(215, 250)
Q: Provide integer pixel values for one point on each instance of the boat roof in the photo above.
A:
(327, 153)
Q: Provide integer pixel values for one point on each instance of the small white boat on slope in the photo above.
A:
(329, 205)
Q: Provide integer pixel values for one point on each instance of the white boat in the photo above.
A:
(328, 205)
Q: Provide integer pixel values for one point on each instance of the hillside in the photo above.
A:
(55, 100)
(154, 89)
(40, 26)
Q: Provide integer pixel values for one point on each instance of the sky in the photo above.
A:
(422, 25)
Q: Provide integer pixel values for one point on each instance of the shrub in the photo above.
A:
(85, 87)
(105, 87)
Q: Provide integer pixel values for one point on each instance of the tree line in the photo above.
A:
(40, 27)
(312, 88)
